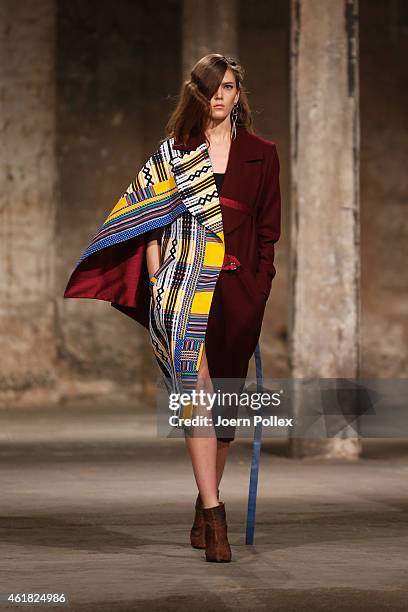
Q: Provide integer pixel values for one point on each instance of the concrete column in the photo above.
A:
(27, 200)
(325, 264)
(209, 26)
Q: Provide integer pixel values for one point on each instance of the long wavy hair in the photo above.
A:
(193, 111)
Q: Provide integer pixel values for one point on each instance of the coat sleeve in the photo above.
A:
(268, 220)
(113, 266)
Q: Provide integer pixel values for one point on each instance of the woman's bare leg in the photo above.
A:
(203, 449)
(222, 453)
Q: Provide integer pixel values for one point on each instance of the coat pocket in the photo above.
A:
(155, 281)
(234, 214)
(160, 269)
(249, 280)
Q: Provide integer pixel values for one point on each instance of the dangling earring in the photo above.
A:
(234, 117)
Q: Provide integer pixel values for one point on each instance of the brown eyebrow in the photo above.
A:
(227, 83)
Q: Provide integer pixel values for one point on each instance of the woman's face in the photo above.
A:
(225, 97)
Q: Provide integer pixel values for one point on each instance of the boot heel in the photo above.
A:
(217, 547)
(197, 532)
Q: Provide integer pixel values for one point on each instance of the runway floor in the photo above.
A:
(94, 505)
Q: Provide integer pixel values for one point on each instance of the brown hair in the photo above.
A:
(193, 111)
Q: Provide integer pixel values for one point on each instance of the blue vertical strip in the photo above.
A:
(256, 453)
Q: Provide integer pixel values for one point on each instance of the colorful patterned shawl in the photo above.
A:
(176, 190)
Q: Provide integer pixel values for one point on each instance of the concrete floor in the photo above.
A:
(95, 506)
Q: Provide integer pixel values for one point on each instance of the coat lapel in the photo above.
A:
(195, 180)
(196, 185)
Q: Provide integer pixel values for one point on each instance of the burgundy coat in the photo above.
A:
(251, 230)
(251, 211)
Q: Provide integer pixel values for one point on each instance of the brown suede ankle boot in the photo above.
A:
(217, 547)
(197, 533)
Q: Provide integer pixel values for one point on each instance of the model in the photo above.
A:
(188, 252)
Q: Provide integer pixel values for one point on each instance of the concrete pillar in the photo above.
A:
(325, 264)
(101, 147)
(209, 26)
(27, 200)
